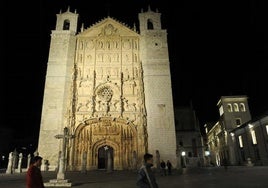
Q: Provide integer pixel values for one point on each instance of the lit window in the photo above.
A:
(221, 110)
(253, 135)
(230, 108)
(267, 129)
(242, 107)
(236, 107)
(240, 141)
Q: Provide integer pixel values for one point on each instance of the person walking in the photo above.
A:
(146, 177)
(163, 168)
(34, 177)
(169, 166)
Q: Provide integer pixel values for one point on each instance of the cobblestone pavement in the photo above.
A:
(208, 177)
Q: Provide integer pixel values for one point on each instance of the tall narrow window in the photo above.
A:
(253, 136)
(240, 141)
(267, 129)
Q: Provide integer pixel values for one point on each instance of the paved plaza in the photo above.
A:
(207, 177)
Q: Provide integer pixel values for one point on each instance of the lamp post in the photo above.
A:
(183, 153)
(207, 157)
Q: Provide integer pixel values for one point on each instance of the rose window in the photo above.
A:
(105, 93)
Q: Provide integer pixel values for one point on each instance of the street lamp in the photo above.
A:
(183, 153)
(207, 157)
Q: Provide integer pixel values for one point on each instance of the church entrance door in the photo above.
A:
(105, 157)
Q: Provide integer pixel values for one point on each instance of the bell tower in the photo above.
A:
(157, 86)
(58, 85)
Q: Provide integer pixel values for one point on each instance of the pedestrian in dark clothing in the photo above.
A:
(146, 178)
(34, 177)
(169, 166)
(163, 168)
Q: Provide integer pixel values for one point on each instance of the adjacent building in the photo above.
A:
(190, 146)
(237, 139)
(251, 141)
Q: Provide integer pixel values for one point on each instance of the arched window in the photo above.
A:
(230, 108)
(236, 109)
(66, 25)
(150, 25)
(242, 107)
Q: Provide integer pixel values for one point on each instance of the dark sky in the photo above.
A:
(215, 48)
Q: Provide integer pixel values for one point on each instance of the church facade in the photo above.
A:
(108, 95)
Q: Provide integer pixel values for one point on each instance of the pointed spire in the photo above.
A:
(60, 11)
(142, 10)
(75, 11)
(82, 27)
(134, 27)
(149, 8)
(68, 9)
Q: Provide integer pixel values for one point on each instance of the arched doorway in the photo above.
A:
(118, 135)
(105, 157)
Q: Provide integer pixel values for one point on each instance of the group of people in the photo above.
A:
(145, 177)
(165, 168)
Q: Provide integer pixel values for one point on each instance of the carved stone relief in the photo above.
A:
(101, 132)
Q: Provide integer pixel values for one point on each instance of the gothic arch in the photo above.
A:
(103, 143)
(94, 133)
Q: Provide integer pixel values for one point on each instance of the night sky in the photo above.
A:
(215, 48)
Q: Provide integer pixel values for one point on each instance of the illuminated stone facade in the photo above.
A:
(234, 112)
(110, 86)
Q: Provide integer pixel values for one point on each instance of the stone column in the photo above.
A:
(61, 172)
(64, 137)
(15, 160)
(28, 161)
(19, 164)
(61, 181)
(9, 165)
